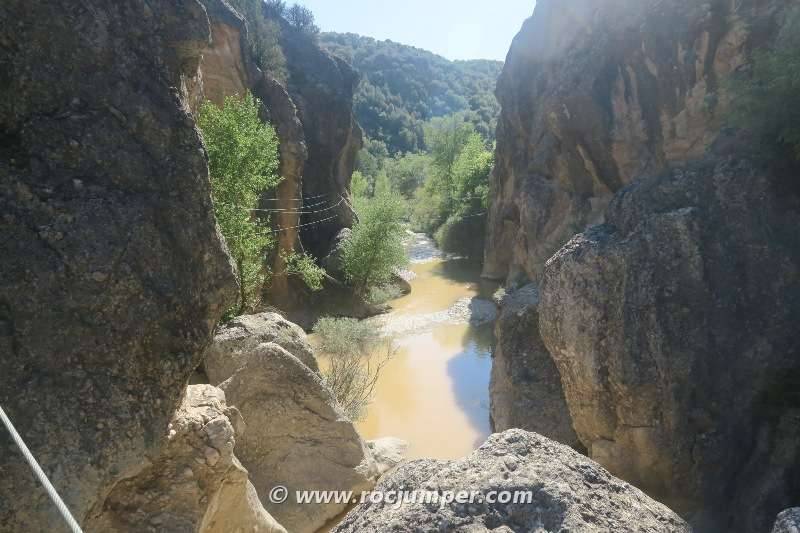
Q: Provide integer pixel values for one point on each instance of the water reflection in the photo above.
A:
(435, 392)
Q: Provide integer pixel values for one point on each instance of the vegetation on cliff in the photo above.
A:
(402, 87)
(243, 162)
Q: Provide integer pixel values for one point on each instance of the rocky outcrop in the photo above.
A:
(322, 86)
(113, 274)
(195, 483)
(296, 437)
(235, 341)
(674, 329)
(596, 93)
(560, 491)
(788, 521)
(525, 388)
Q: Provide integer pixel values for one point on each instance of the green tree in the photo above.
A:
(301, 19)
(375, 247)
(408, 172)
(764, 100)
(470, 179)
(446, 138)
(243, 162)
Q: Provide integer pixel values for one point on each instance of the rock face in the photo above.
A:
(388, 452)
(567, 491)
(322, 86)
(525, 388)
(296, 437)
(113, 274)
(788, 521)
(596, 93)
(674, 328)
(195, 483)
(236, 340)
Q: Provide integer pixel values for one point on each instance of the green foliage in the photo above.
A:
(243, 162)
(304, 267)
(375, 248)
(359, 186)
(453, 202)
(264, 35)
(408, 172)
(301, 19)
(383, 293)
(356, 353)
(764, 100)
(403, 86)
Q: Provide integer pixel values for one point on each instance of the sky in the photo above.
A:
(455, 29)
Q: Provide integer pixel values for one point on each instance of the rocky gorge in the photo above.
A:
(646, 363)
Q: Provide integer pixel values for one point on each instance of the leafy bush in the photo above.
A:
(383, 293)
(357, 353)
(243, 162)
(764, 100)
(303, 266)
(375, 247)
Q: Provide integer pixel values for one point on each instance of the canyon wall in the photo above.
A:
(670, 322)
(322, 86)
(113, 272)
(593, 95)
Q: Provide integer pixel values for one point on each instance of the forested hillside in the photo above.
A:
(403, 86)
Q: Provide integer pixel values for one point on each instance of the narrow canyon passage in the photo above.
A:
(435, 391)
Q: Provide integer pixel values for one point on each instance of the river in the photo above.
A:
(435, 391)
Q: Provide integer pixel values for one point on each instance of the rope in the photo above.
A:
(306, 224)
(295, 212)
(51, 491)
(298, 199)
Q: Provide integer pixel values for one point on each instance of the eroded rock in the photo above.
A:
(388, 452)
(525, 388)
(195, 483)
(113, 275)
(674, 328)
(594, 94)
(237, 339)
(296, 437)
(567, 492)
(788, 521)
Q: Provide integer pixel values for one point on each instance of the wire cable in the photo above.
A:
(51, 490)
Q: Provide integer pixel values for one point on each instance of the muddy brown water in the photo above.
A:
(434, 393)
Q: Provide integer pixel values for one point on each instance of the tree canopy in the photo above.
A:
(403, 86)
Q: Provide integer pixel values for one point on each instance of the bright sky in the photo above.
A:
(455, 29)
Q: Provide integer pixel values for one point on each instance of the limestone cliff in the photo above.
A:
(322, 85)
(112, 272)
(594, 94)
(671, 322)
(319, 137)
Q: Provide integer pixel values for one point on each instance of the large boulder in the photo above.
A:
(556, 489)
(195, 483)
(296, 437)
(594, 93)
(112, 272)
(236, 340)
(525, 388)
(674, 329)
